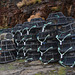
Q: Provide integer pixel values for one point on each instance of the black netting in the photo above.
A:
(6, 56)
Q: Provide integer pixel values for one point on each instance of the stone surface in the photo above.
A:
(34, 68)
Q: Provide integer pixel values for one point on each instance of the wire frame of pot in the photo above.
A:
(6, 56)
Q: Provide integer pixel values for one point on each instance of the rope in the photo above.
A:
(29, 59)
(41, 42)
(57, 16)
(49, 61)
(62, 39)
(62, 54)
(26, 29)
(30, 29)
(62, 63)
(19, 32)
(22, 48)
(45, 26)
(44, 51)
(73, 64)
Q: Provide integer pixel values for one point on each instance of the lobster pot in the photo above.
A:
(48, 44)
(56, 15)
(48, 51)
(67, 44)
(6, 56)
(8, 45)
(50, 56)
(66, 48)
(57, 18)
(7, 51)
(69, 59)
(66, 35)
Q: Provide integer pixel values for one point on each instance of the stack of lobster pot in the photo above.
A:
(47, 38)
(32, 43)
(7, 46)
(66, 45)
(19, 32)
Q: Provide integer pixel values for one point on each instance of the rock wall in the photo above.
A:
(10, 14)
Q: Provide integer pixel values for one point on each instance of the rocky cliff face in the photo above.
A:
(11, 14)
